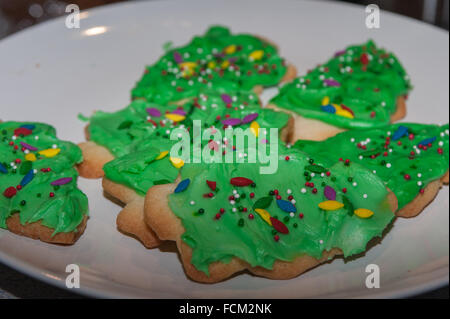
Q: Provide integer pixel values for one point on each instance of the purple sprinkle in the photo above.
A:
(219, 55)
(177, 57)
(331, 82)
(226, 98)
(61, 181)
(264, 141)
(179, 112)
(329, 193)
(232, 60)
(249, 118)
(153, 112)
(231, 122)
(28, 146)
(338, 53)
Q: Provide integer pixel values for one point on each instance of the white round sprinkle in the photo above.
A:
(303, 190)
(291, 214)
(365, 195)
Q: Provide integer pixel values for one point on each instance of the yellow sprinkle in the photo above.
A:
(225, 64)
(363, 213)
(230, 49)
(177, 162)
(325, 100)
(254, 128)
(50, 152)
(30, 157)
(162, 155)
(341, 112)
(211, 64)
(187, 65)
(175, 117)
(264, 215)
(256, 55)
(330, 205)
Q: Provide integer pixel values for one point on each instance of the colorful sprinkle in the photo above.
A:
(249, 118)
(330, 82)
(363, 213)
(61, 181)
(30, 157)
(212, 185)
(286, 206)
(256, 55)
(264, 215)
(330, 205)
(177, 162)
(263, 202)
(400, 132)
(183, 185)
(329, 193)
(279, 226)
(153, 112)
(27, 178)
(162, 155)
(175, 117)
(10, 192)
(226, 98)
(240, 181)
(231, 121)
(51, 152)
(254, 128)
(28, 146)
(328, 108)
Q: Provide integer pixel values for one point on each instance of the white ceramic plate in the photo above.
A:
(50, 73)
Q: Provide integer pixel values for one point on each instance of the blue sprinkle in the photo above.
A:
(182, 185)
(427, 141)
(286, 206)
(3, 169)
(400, 132)
(27, 178)
(328, 108)
(29, 126)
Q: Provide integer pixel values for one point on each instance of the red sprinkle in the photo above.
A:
(250, 216)
(276, 238)
(344, 190)
(10, 192)
(252, 195)
(240, 181)
(22, 131)
(279, 226)
(52, 194)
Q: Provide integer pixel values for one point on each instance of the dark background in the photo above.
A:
(16, 15)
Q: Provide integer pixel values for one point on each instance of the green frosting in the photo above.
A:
(406, 156)
(137, 134)
(32, 158)
(362, 84)
(239, 231)
(217, 60)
